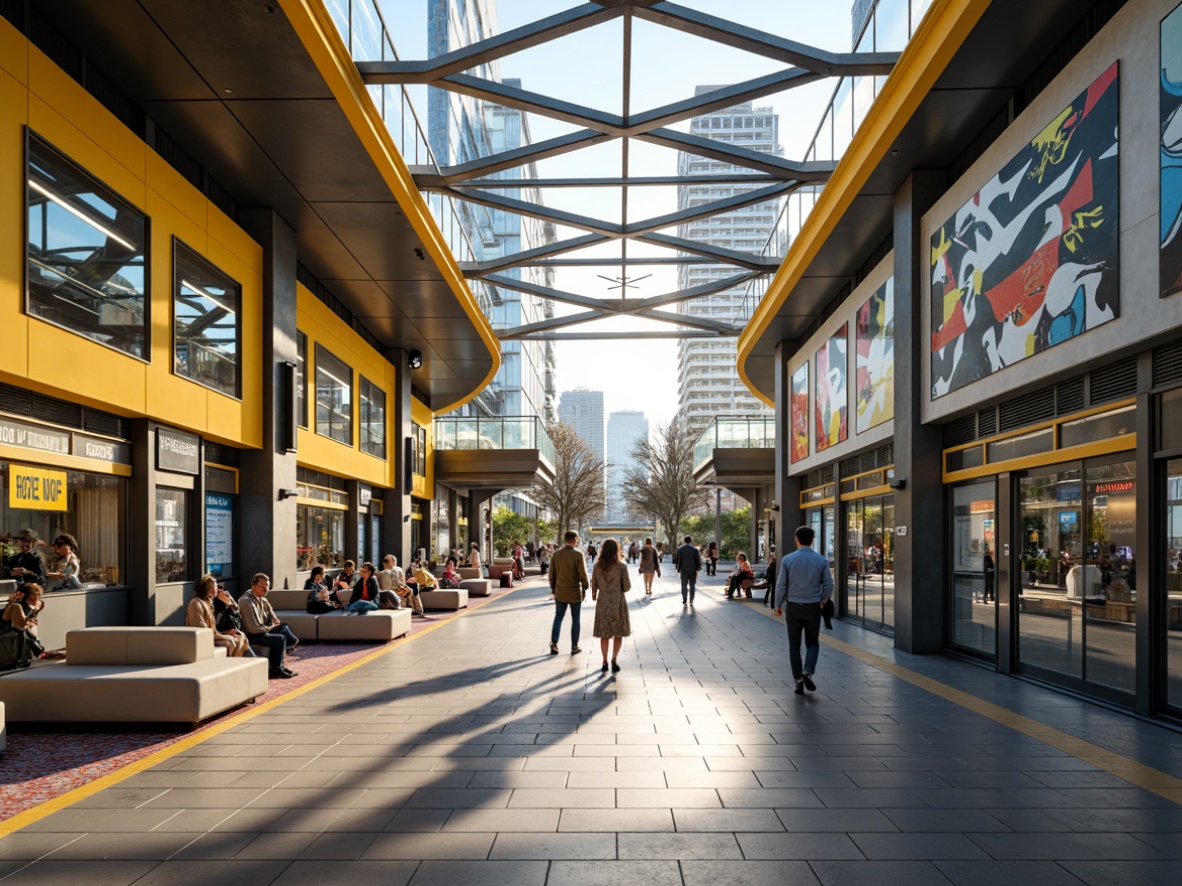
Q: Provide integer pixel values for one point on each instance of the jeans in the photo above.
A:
(804, 617)
(276, 646)
(361, 606)
(559, 613)
(689, 581)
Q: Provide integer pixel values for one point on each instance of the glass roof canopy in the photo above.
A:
(602, 221)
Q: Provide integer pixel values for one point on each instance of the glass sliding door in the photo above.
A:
(1173, 572)
(870, 582)
(1110, 629)
(973, 557)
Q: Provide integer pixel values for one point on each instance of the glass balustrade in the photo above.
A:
(756, 432)
(509, 432)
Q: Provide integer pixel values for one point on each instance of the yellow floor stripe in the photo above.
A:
(29, 816)
(1161, 783)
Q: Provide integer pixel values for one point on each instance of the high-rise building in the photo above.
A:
(583, 410)
(624, 430)
(460, 129)
(708, 384)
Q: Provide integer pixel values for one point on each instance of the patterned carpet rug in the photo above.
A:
(39, 765)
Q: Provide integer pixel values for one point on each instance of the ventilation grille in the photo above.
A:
(56, 45)
(114, 99)
(987, 422)
(1027, 410)
(1114, 382)
(14, 11)
(962, 430)
(1167, 364)
(106, 424)
(1069, 396)
(819, 477)
(318, 478)
(17, 401)
(871, 460)
(318, 289)
(220, 454)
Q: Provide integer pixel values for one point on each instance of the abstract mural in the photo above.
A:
(800, 413)
(875, 371)
(1030, 261)
(1170, 267)
(830, 401)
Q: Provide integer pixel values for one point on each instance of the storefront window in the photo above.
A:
(221, 507)
(1173, 572)
(974, 568)
(334, 398)
(1110, 544)
(373, 419)
(87, 253)
(320, 537)
(172, 535)
(92, 510)
(870, 561)
(206, 306)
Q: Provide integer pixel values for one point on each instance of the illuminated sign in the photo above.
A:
(1109, 488)
(36, 489)
(980, 507)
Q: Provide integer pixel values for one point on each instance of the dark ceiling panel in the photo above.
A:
(422, 298)
(381, 238)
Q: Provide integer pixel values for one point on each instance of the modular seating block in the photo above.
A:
(470, 572)
(381, 625)
(499, 565)
(134, 675)
(457, 599)
(477, 587)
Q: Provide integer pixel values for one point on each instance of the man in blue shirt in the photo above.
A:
(805, 583)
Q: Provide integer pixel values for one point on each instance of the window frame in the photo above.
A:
(209, 267)
(320, 351)
(368, 392)
(31, 137)
(302, 380)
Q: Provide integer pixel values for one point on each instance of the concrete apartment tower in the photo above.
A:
(624, 429)
(708, 384)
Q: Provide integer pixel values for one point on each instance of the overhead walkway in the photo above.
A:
(470, 755)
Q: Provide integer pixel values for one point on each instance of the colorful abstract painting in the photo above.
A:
(831, 402)
(1030, 261)
(1170, 268)
(875, 372)
(800, 413)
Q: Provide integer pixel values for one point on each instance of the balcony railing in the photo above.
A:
(364, 32)
(757, 432)
(510, 432)
(888, 29)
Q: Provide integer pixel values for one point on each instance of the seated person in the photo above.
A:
(226, 615)
(200, 614)
(320, 598)
(743, 572)
(366, 593)
(407, 590)
(20, 615)
(451, 575)
(347, 578)
(423, 580)
(25, 566)
(767, 584)
(263, 627)
(68, 565)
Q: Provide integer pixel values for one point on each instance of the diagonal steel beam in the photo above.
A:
(753, 40)
(723, 97)
(480, 268)
(739, 156)
(638, 335)
(570, 298)
(706, 210)
(543, 30)
(688, 320)
(549, 323)
(427, 177)
(719, 253)
(614, 230)
(699, 291)
(727, 178)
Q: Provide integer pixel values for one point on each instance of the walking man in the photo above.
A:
(687, 560)
(568, 586)
(805, 583)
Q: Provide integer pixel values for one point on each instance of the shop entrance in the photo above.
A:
(870, 561)
(823, 523)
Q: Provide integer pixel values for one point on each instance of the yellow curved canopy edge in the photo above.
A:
(939, 37)
(318, 33)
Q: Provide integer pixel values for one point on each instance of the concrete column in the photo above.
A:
(453, 518)
(141, 568)
(787, 488)
(756, 501)
(268, 532)
(920, 574)
(396, 501)
(718, 517)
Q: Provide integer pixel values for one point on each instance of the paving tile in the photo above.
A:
(769, 798)
(554, 846)
(806, 847)
(92, 873)
(747, 873)
(502, 820)
(878, 873)
(633, 798)
(488, 873)
(614, 873)
(616, 820)
(1006, 873)
(835, 821)
(169, 873)
(944, 820)
(637, 847)
(732, 820)
(352, 873)
(1123, 873)
(547, 798)
(1063, 847)
(917, 846)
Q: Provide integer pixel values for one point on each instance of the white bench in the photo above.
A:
(444, 599)
(134, 675)
(477, 587)
(381, 625)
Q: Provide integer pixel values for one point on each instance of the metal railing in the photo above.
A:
(754, 432)
(364, 32)
(888, 29)
(509, 432)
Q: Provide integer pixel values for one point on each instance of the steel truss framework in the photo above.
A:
(770, 177)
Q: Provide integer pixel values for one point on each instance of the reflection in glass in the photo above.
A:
(1050, 614)
(1110, 537)
(974, 572)
(870, 569)
(172, 535)
(1173, 573)
(334, 398)
(205, 309)
(320, 537)
(373, 418)
(87, 249)
(301, 379)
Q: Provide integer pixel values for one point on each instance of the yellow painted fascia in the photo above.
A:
(317, 31)
(940, 35)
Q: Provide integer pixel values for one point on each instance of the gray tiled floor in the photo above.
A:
(471, 756)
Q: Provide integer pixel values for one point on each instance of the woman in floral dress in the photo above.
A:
(609, 583)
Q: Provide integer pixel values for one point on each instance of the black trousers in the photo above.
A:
(276, 647)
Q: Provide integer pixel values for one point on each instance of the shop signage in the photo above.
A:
(36, 489)
(28, 436)
(103, 450)
(366, 495)
(981, 507)
(1109, 488)
(178, 452)
(219, 533)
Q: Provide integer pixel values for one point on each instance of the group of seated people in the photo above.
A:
(387, 588)
(237, 625)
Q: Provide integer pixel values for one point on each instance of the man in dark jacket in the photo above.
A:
(687, 560)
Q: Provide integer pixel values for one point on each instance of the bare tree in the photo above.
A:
(661, 482)
(577, 493)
